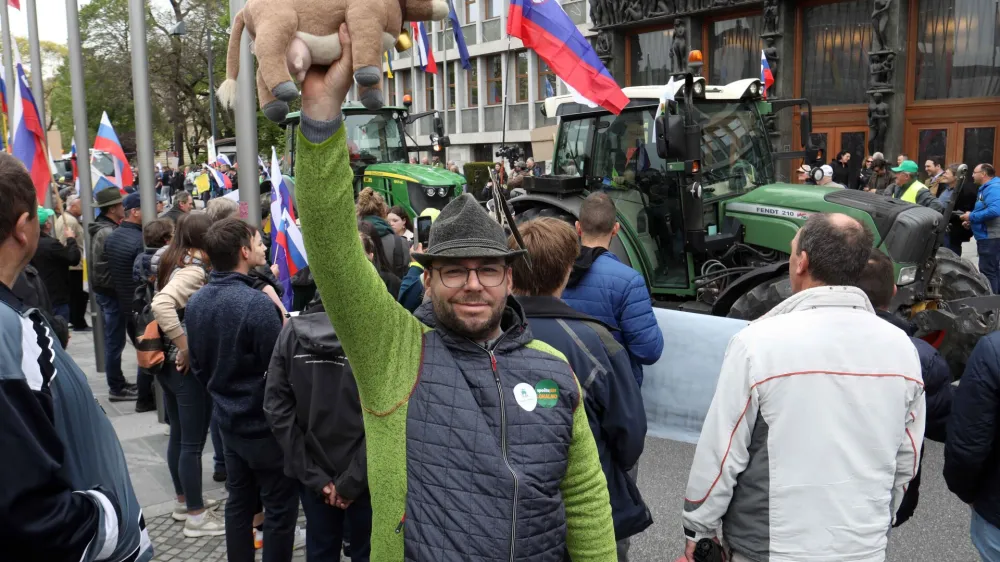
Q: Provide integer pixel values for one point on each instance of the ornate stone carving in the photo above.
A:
(881, 66)
(878, 123)
(771, 35)
(770, 16)
(603, 45)
(659, 8)
(679, 46)
(880, 24)
(607, 13)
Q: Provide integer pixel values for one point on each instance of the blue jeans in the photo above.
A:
(115, 326)
(61, 310)
(328, 526)
(219, 456)
(985, 537)
(256, 470)
(189, 408)
(989, 261)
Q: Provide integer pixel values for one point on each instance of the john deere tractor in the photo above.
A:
(380, 157)
(703, 219)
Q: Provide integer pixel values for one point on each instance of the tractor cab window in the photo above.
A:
(573, 150)
(735, 149)
(627, 167)
(374, 138)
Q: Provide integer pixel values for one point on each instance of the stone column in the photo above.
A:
(887, 87)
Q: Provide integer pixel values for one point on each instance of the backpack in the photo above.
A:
(150, 344)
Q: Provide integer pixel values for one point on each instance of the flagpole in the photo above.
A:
(246, 127)
(34, 45)
(8, 65)
(83, 163)
(444, 61)
(143, 109)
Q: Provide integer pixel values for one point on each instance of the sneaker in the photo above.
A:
(258, 539)
(141, 407)
(127, 394)
(206, 524)
(300, 538)
(181, 511)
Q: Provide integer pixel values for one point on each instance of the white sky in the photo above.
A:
(51, 20)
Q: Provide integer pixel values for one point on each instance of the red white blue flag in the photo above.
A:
(287, 246)
(27, 134)
(221, 180)
(425, 52)
(107, 142)
(543, 26)
(766, 76)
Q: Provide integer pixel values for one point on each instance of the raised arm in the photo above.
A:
(381, 339)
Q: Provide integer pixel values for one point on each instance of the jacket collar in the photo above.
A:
(130, 225)
(995, 182)
(514, 332)
(8, 297)
(823, 297)
(230, 278)
(551, 307)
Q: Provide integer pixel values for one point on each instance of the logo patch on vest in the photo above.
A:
(525, 396)
(548, 393)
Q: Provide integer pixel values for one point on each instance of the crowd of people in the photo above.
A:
(464, 397)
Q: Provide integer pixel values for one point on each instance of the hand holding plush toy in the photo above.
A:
(297, 34)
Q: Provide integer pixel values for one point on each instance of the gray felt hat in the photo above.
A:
(465, 230)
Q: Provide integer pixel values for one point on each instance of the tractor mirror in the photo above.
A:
(805, 127)
(670, 138)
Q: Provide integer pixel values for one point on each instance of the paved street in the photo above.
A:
(938, 531)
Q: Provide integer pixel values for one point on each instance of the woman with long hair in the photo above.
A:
(965, 200)
(182, 270)
(376, 255)
(400, 222)
(372, 209)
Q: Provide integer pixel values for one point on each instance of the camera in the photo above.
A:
(510, 153)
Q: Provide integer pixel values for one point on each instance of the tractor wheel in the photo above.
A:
(957, 278)
(758, 301)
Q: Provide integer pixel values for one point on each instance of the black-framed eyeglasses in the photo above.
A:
(456, 276)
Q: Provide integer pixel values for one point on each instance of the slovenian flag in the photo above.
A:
(542, 25)
(27, 134)
(766, 76)
(223, 159)
(456, 27)
(107, 142)
(425, 54)
(221, 180)
(289, 251)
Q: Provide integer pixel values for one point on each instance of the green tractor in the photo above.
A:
(705, 222)
(380, 157)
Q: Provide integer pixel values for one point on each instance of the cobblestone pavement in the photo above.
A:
(170, 544)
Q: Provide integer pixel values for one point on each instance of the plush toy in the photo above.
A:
(297, 34)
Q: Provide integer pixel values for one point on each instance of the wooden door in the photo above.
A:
(853, 139)
(977, 143)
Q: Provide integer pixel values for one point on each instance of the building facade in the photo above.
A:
(914, 77)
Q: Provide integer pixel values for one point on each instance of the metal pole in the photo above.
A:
(83, 163)
(37, 91)
(211, 78)
(8, 65)
(143, 109)
(444, 39)
(246, 127)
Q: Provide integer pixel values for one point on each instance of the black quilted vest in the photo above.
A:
(483, 472)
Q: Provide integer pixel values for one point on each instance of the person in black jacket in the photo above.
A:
(878, 282)
(53, 260)
(972, 449)
(312, 404)
(613, 401)
(966, 201)
(121, 249)
(842, 170)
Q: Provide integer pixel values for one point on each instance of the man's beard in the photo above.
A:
(476, 331)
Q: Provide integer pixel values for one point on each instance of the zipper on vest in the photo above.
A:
(503, 447)
(399, 528)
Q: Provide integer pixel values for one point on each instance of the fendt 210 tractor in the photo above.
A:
(703, 219)
(380, 158)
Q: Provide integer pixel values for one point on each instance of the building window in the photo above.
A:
(471, 11)
(404, 77)
(390, 90)
(428, 92)
(451, 85)
(546, 80)
(835, 45)
(522, 76)
(494, 80)
(472, 84)
(957, 46)
(493, 8)
(650, 61)
(734, 47)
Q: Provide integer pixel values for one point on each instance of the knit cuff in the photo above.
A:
(318, 131)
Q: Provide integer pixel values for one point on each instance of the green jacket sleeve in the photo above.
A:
(380, 338)
(590, 531)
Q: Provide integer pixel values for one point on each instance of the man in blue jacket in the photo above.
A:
(66, 492)
(612, 400)
(985, 222)
(972, 449)
(609, 290)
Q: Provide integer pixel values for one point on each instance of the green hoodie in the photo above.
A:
(386, 367)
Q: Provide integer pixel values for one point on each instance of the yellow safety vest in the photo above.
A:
(911, 192)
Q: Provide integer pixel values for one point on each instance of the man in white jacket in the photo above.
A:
(816, 425)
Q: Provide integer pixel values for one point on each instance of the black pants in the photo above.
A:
(78, 299)
(328, 526)
(255, 469)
